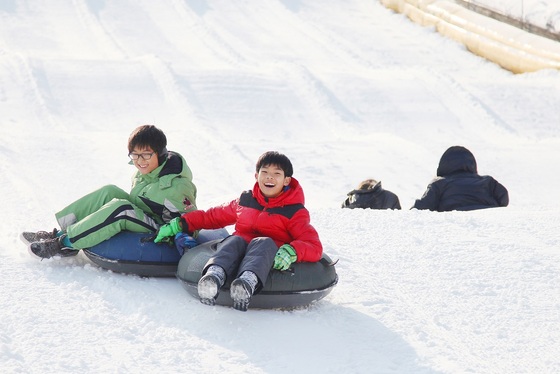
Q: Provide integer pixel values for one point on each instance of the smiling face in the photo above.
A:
(271, 180)
(145, 166)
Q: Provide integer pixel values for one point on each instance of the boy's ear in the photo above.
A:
(287, 181)
(256, 176)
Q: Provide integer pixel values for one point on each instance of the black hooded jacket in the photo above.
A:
(459, 187)
(373, 198)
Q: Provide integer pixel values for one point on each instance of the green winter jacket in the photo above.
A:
(155, 199)
(166, 192)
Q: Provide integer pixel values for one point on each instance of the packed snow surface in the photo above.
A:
(348, 90)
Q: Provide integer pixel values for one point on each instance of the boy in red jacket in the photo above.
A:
(272, 230)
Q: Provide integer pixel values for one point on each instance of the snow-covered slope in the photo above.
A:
(348, 90)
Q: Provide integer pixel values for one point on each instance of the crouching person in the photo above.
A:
(272, 230)
(458, 185)
(371, 195)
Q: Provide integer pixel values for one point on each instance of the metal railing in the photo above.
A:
(518, 20)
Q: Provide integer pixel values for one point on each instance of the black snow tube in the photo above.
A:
(301, 285)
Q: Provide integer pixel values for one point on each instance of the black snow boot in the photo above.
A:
(209, 285)
(51, 247)
(30, 237)
(242, 289)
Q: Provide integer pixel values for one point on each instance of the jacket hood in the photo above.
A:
(292, 194)
(377, 188)
(173, 166)
(455, 160)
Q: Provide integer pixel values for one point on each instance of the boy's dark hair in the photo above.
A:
(148, 136)
(278, 159)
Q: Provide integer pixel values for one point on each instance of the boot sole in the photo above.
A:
(240, 294)
(24, 239)
(208, 291)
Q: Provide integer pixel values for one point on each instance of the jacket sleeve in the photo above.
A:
(500, 193)
(182, 195)
(392, 201)
(173, 189)
(305, 238)
(213, 218)
(430, 199)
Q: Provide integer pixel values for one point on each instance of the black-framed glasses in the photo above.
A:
(145, 156)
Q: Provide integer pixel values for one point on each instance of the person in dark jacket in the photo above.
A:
(272, 230)
(370, 194)
(459, 187)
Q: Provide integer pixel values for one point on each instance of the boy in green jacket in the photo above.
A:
(162, 189)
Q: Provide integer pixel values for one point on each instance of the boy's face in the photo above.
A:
(141, 153)
(271, 180)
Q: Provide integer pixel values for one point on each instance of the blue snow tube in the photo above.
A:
(301, 285)
(128, 252)
(133, 253)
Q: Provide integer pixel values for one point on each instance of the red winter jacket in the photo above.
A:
(284, 219)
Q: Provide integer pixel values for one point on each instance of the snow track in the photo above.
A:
(348, 90)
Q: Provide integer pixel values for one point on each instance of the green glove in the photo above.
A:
(285, 256)
(171, 229)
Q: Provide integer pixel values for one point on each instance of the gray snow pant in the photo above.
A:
(235, 256)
